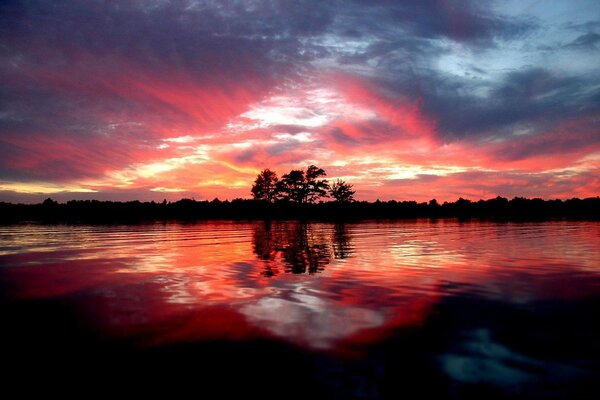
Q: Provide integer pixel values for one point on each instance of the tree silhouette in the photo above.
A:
(265, 186)
(342, 192)
(303, 187)
(50, 203)
(292, 186)
(316, 187)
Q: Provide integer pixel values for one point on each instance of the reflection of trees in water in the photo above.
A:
(302, 247)
(304, 250)
(264, 246)
(342, 248)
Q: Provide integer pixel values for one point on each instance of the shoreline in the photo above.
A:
(498, 209)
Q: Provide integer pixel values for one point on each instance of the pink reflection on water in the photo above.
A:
(322, 286)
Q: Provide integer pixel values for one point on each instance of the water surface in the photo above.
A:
(368, 310)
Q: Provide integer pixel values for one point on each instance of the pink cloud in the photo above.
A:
(177, 134)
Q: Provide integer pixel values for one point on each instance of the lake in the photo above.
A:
(367, 310)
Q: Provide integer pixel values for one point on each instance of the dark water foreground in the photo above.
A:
(288, 310)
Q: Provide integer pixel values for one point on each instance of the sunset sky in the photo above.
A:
(406, 100)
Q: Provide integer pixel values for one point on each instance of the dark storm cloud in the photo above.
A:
(164, 34)
(405, 38)
(30, 108)
(533, 97)
(588, 26)
(586, 41)
(467, 21)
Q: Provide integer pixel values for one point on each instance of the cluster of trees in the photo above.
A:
(300, 186)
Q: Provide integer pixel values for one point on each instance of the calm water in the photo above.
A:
(369, 310)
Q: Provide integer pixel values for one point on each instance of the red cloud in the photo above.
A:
(387, 146)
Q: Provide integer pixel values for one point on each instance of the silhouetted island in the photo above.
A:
(499, 208)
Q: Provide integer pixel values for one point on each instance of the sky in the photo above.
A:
(406, 100)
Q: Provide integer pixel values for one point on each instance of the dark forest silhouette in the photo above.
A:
(94, 211)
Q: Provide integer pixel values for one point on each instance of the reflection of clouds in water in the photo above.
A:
(483, 361)
(310, 319)
(479, 358)
(315, 284)
(201, 289)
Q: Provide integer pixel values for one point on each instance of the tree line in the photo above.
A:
(499, 208)
(300, 186)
